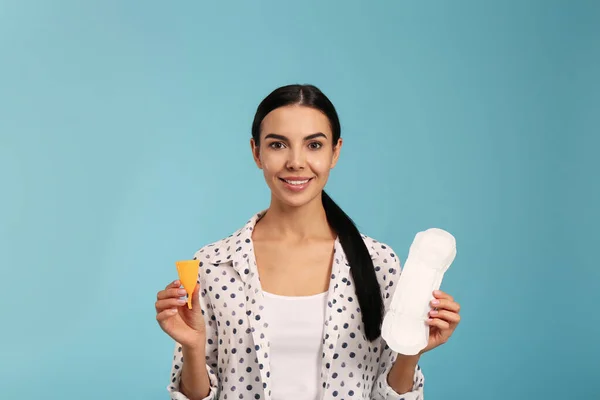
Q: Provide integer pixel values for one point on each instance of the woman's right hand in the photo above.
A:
(184, 325)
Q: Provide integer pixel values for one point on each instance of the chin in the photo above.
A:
(296, 200)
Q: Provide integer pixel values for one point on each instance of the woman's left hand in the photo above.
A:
(443, 319)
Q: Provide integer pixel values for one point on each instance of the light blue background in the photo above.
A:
(124, 145)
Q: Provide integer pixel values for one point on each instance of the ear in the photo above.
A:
(255, 153)
(336, 153)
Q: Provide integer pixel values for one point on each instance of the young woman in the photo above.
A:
(290, 306)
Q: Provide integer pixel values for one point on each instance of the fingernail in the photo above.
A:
(433, 312)
(181, 302)
(173, 310)
(181, 292)
(435, 302)
(437, 292)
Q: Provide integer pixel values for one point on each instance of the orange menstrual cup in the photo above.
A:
(188, 275)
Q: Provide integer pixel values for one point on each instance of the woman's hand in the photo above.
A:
(184, 325)
(443, 319)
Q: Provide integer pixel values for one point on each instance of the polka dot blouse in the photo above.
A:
(237, 345)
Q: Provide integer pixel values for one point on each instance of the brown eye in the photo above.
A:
(276, 145)
(315, 145)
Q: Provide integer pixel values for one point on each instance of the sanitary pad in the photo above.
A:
(430, 255)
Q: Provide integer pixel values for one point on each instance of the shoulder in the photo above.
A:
(381, 253)
(211, 253)
(386, 264)
(227, 253)
(227, 248)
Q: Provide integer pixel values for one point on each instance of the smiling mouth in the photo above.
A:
(296, 182)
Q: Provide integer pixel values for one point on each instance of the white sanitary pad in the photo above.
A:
(430, 255)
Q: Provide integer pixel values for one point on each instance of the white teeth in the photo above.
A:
(296, 182)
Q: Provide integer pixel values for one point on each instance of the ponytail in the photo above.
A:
(366, 285)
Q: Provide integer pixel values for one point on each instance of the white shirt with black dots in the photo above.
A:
(238, 348)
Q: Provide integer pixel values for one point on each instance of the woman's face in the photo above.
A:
(296, 153)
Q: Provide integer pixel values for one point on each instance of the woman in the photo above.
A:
(291, 305)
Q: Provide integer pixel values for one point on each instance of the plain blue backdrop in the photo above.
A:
(124, 145)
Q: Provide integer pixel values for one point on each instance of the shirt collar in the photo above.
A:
(238, 248)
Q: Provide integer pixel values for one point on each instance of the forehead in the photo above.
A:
(295, 120)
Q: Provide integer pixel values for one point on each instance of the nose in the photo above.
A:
(296, 160)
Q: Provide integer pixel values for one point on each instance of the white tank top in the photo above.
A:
(296, 335)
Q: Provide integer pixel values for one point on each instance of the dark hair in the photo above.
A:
(366, 286)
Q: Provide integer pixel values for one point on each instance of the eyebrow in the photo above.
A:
(285, 139)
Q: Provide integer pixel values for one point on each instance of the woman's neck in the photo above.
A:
(295, 223)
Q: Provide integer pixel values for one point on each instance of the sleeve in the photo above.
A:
(211, 352)
(381, 389)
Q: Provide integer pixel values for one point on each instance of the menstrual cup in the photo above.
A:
(188, 275)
